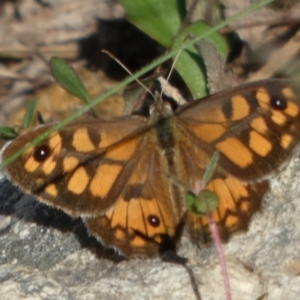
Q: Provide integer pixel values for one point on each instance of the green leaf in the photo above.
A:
(190, 64)
(190, 199)
(161, 20)
(29, 114)
(68, 79)
(8, 132)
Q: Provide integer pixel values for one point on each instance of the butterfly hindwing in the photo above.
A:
(143, 217)
(238, 201)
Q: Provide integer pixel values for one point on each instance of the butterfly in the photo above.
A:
(117, 175)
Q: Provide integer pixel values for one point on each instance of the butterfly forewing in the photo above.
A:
(255, 127)
(75, 168)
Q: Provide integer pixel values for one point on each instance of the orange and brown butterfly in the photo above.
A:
(116, 174)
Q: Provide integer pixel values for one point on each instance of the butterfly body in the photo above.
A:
(122, 176)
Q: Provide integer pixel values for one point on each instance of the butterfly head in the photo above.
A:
(160, 109)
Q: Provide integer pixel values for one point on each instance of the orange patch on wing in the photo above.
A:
(288, 93)
(55, 143)
(70, 163)
(31, 165)
(108, 139)
(244, 206)
(259, 124)
(104, 179)
(259, 144)
(123, 152)
(240, 107)
(136, 218)
(231, 221)
(286, 141)
(237, 188)
(81, 141)
(79, 181)
(292, 109)
(209, 132)
(263, 98)
(51, 190)
(49, 165)
(278, 117)
(120, 234)
(236, 152)
(119, 217)
(138, 242)
(226, 201)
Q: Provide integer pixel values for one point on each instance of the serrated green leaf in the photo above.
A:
(29, 114)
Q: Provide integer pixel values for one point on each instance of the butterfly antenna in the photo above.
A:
(127, 70)
(173, 65)
(169, 90)
(165, 81)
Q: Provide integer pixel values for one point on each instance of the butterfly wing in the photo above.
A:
(238, 201)
(78, 168)
(255, 128)
(143, 220)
